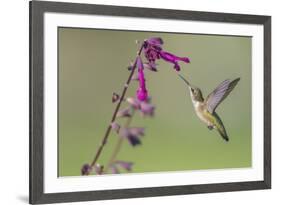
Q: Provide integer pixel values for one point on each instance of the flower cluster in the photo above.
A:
(153, 51)
(133, 134)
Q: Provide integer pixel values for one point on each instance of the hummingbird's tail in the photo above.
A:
(223, 133)
(220, 128)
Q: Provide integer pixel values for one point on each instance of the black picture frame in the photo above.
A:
(36, 190)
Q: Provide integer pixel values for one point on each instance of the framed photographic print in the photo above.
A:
(139, 102)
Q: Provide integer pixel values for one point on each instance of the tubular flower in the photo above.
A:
(173, 59)
(142, 91)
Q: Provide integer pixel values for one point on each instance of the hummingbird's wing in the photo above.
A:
(219, 94)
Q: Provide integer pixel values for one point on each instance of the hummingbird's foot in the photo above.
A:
(210, 127)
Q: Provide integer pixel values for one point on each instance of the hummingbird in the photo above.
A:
(205, 109)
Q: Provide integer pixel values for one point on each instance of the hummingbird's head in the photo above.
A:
(195, 93)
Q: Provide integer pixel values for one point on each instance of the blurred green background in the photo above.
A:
(93, 65)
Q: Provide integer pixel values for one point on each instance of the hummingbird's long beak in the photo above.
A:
(184, 80)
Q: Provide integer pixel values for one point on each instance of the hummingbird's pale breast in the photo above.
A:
(202, 113)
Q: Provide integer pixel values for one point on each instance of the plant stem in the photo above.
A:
(104, 140)
(119, 143)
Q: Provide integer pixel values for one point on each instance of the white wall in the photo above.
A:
(14, 100)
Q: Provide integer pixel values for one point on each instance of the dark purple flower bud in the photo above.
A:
(115, 97)
(155, 41)
(133, 140)
(152, 47)
(152, 53)
(125, 165)
(98, 168)
(86, 169)
(124, 113)
(147, 109)
(142, 91)
(173, 59)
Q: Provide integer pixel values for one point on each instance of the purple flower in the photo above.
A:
(124, 113)
(173, 59)
(125, 165)
(86, 169)
(147, 109)
(142, 91)
(115, 126)
(135, 103)
(153, 51)
(120, 164)
(132, 134)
